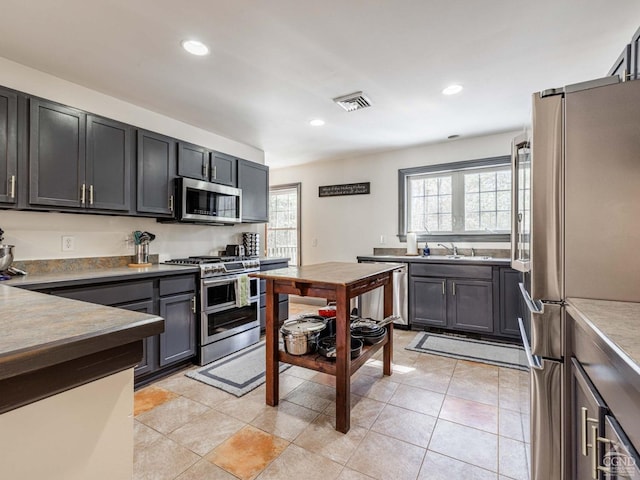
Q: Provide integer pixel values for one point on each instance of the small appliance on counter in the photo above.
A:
(235, 251)
(6, 257)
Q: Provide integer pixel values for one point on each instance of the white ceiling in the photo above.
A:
(276, 64)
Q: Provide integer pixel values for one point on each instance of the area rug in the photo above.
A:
(493, 353)
(238, 373)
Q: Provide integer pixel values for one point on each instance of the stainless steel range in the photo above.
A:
(229, 304)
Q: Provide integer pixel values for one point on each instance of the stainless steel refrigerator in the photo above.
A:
(575, 232)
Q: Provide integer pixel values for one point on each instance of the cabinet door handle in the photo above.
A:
(444, 291)
(215, 172)
(12, 189)
(598, 441)
(90, 194)
(454, 288)
(584, 419)
(594, 452)
(171, 203)
(205, 170)
(82, 193)
(193, 304)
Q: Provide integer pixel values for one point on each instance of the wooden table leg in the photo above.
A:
(387, 353)
(343, 362)
(272, 360)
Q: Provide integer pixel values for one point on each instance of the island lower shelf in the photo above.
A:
(315, 361)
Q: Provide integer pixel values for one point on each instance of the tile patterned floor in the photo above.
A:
(434, 418)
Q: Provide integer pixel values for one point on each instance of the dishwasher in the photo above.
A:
(371, 304)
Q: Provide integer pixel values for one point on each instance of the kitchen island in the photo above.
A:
(337, 282)
(66, 386)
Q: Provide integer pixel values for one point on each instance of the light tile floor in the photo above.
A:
(434, 418)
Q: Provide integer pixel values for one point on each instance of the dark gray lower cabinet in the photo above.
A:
(587, 409)
(470, 298)
(172, 297)
(454, 303)
(510, 302)
(283, 300)
(179, 338)
(428, 301)
(470, 305)
(148, 363)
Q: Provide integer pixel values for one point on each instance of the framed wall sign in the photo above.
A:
(363, 188)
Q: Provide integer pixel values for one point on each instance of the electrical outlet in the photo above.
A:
(68, 243)
(381, 239)
(314, 243)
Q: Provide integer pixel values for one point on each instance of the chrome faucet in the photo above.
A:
(453, 249)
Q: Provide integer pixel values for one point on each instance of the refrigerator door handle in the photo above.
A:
(531, 304)
(533, 361)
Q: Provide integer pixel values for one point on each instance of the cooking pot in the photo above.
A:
(301, 334)
(327, 347)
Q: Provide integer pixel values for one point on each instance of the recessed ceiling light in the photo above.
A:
(316, 122)
(452, 90)
(195, 47)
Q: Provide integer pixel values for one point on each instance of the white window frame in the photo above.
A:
(298, 257)
(457, 171)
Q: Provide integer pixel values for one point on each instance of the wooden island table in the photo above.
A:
(337, 282)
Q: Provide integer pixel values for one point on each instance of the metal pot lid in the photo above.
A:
(304, 325)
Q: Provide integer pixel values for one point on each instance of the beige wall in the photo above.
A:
(341, 228)
(80, 434)
(38, 235)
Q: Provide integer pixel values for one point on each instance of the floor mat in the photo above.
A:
(238, 373)
(483, 351)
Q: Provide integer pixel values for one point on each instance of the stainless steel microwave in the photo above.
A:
(206, 202)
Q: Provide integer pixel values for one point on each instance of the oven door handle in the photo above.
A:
(533, 361)
(219, 281)
(531, 304)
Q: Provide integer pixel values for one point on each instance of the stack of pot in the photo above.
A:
(251, 243)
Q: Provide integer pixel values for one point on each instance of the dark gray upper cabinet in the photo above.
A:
(223, 169)
(78, 160)
(156, 171)
(56, 155)
(193, 161)
(253, 179)
(8, 146)
(108, 164)
(203, 164)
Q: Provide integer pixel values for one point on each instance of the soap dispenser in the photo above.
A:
(426, 251)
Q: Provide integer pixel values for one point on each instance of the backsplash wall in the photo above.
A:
(38, 235)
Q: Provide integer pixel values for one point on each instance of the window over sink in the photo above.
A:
(462, 201)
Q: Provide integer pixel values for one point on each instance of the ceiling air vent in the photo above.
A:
(353, 101)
